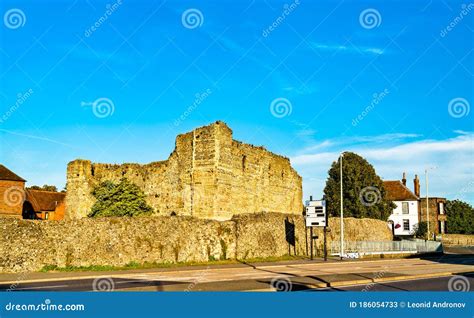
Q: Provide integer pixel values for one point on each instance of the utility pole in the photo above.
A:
(427, 207)
(342, 213)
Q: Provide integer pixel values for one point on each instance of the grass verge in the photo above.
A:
(146, 265)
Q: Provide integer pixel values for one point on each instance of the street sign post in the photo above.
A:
(316, 213)
(316, 216)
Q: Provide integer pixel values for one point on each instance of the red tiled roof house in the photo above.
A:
(12, 193)
(44, 205)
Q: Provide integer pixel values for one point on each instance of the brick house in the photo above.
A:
(437, 214)
(405, 215)
(12, 193)
(44, 205)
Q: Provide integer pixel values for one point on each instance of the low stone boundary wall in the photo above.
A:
(458, 239)
(27, 245)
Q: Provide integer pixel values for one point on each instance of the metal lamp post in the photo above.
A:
(427, 207)
(427, 204)
(342, 212)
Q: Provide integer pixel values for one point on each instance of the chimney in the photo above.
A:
(404, 179)
(416, 183)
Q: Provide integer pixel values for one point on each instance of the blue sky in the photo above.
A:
(396, 87)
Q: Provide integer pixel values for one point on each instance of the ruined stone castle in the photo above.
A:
(208, 175)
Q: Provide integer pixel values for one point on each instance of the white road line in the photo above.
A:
(42, 287)
(133, 281)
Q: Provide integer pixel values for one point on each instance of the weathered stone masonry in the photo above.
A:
(118, 241)
(208, 175)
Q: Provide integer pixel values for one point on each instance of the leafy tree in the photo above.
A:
(460, 217)
(45, 187)
(122, 199)
(363, 191)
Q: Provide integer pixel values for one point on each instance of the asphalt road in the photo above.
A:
(296, 276)
(430, 284)
(89, 285)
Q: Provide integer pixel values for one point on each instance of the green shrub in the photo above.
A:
(421, 229)
(122, 199)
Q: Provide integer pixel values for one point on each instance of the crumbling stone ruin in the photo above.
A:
(208, 175)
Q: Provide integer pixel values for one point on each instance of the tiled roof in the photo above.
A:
(396, 191)
(7, 174)
(44, 200)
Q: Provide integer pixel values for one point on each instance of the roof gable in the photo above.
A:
(396, 191)
(7, 174)
(44, 200)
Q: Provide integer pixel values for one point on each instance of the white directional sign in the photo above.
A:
(316, 213)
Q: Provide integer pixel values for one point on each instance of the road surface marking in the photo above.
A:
(42, 287)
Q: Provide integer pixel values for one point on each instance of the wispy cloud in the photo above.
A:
(346, 48)
(352, 141)
(307, 89)
(452, 178)
(36, 137)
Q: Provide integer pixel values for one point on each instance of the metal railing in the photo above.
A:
(378, 247)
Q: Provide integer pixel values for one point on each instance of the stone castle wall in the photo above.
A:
(118, 241)
(208, 175)
(458, 239)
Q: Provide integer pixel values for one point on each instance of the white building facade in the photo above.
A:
(405, 216)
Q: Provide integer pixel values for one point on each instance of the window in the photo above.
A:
(406, 225)
(441, 227)
(441, 207)
(405, 208)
